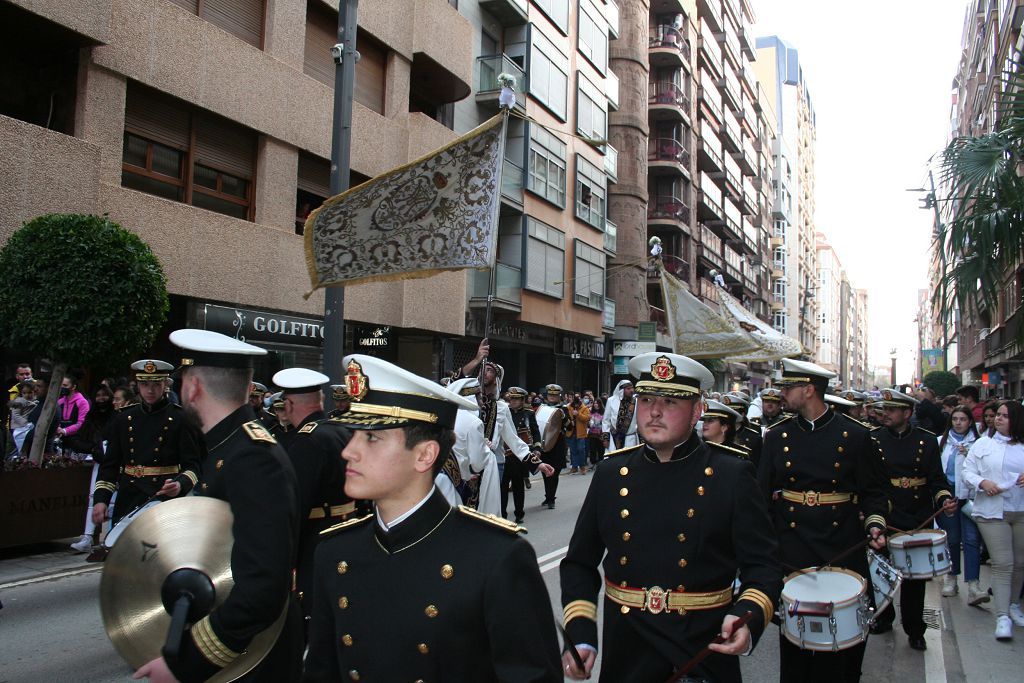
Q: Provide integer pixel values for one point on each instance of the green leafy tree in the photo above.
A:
(983, 237)
(941, 382)
(78, 290)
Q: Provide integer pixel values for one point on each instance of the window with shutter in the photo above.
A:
(371, 69)
(240, 18)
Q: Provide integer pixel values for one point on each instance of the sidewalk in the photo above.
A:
(42, 560)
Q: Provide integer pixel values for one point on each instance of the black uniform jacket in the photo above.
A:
(315, 453)
(246, 468)
(835, 454)
(908, 456)
(749, 436)
(445, 595)
(525, 422)
(684, 525)
(147, 436)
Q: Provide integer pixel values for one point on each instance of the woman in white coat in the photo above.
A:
(995, 467)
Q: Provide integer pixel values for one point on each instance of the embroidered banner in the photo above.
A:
(434, 214)
(773, 345)
(698, 331)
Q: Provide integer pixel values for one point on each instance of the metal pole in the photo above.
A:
(345, 57)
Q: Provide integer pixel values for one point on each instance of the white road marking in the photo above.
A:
(934, 662)
(555, 555)
(51, 577)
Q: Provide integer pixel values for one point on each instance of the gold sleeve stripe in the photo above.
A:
(762, 600)
(216, 652)
(191, 476)
(105, 486)
(874, 519)
(579, 608)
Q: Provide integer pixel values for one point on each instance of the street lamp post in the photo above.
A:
(892, 370)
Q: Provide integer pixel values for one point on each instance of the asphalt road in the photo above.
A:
(51, 630)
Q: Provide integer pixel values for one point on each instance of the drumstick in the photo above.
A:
(681, 673)
(918, 527)
(570, 647)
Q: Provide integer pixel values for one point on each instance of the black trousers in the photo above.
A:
(805, 666)
(555, 458)
(911, 608)
(512, 477)
(595, 449)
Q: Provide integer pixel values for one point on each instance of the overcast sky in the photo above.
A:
(879, 75)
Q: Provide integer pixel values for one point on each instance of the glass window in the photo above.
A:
(547, 175)
(557, 11)
(545, 258)
(590, 193)
(548, 74)
(591, 109)
(592, 40)
(588, 276)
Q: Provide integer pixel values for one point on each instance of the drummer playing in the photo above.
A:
(917, 487)
(821, 471)
(670, 521)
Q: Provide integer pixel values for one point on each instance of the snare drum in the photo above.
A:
(122, 524)
(885, 581)
(825, 610)
(921, 554)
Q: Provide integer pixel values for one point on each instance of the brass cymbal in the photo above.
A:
(192, 532)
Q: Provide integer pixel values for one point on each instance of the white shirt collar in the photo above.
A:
(404, 516)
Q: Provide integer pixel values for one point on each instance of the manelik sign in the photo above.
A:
(261, 326)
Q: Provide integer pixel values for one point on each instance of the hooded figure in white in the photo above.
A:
(611, 415)
(470, 451)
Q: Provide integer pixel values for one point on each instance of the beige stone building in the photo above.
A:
(205, 126)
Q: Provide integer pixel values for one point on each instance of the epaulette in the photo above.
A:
(308, 427)
(928, 431)
(781, 422)
(347, 524)
(751, 428)
(621, 450)
(257, 432)
(865, 425)
(735, 449)
(494, 520)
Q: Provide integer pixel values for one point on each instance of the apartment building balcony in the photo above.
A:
(709, 200)
(778, 270)
(709, 157)
(778, 302)
(732, 217)
(731, 135)
(732, 95)
(673, 264)
(611, 89)
(710, 53)
(667, 47)
(487, 88)
(733, 265)
(511, 189)
(667, 101)
(666, 156)
(730, 43)
(710, 11)
(507, 12)
(611, 237)
(667, 210)
(611, 13)
(708, 291)
(747, 44)
(710, 247)
(748, 198)
(733, 178)
(508, 290)
(775, 242)
(746, 157)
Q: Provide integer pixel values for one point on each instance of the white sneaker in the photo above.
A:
(949, 586)
(1016, 615)
(975, 595)
(1004, 628)
(82, 545)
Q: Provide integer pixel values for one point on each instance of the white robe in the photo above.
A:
(611, 416)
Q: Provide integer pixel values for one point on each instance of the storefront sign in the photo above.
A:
(580, 347)
(372, 338)
(507, 330)
(632, 348)
(259, 326)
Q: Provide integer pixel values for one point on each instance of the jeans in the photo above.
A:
(952, 526)
(578, 452)
(971, 538)
(1004, 539)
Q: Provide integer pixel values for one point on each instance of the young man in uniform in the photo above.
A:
(821, 472)
(556, 423)
(420, 590)
(152, 451)
(245, 467)
(315, 454)
(917, 487)
(771, 408)
(341, 399)
(670, 521)
(517, 471)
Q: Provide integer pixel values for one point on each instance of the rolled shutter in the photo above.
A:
(225, 146)
(156, 117)
(241, 18)
(371, 70)
(321, 34)
(314, 175)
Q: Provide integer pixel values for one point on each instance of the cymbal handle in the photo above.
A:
(179, 617)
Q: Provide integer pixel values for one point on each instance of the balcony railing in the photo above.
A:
(667, 93)
(707, 290)
(508, 285)
(512, 183)
(672, 264)
(487, 88)
(667, 149)
(611, 236)
(659, 319)
(711, 241)
(669, 37)
(671, 208)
